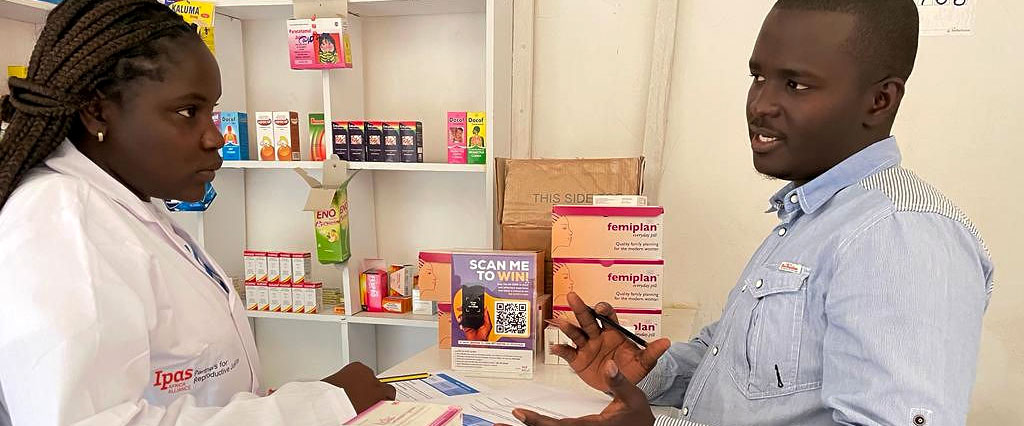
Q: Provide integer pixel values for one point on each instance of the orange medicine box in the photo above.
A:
(435, 278)
(625, 284)
(600, 232)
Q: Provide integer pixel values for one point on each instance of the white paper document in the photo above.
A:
(484, 407)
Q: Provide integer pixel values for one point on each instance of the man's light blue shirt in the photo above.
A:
(862, 307)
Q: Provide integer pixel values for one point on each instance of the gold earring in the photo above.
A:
(99, 135)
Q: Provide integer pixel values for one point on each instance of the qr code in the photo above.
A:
(512, 318)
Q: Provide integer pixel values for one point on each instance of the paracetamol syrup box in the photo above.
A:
(285, 260)
(599, 232)
(286, 135)
(265, 150)
(494, 307)
(456, 137)
(626, 284)
(476, 139)
(273, 266)
(280, 297)
(259, 259)
(392, 148)
(249, 260)
(356, 141)
(262, 296)
(301, 267)
(252, 296)
(316, 44)
(234, 127)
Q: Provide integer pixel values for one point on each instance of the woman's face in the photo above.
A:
(160, 138)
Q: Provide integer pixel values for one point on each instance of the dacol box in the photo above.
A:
(375, 141)
(356, 141)
(392, 149)
(457, 137)
(234, 126)
(476, 125)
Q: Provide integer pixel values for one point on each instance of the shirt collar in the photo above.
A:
(68, 160)
(814, 194)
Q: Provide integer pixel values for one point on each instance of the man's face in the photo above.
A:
(807, 101)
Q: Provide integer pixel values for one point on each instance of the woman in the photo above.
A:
(113, 315)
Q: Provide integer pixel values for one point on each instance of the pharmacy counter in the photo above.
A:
(554, 376)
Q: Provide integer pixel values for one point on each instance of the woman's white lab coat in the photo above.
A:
(108, 318)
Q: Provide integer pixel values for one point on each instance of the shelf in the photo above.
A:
(297, 317)
(282, 9)
(385, 318)
(31, 11)
(316, 165)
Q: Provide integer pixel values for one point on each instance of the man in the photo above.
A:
(864, 305)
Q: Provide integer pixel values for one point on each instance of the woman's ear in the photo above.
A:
(93, 117)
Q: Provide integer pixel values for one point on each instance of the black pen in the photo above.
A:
(608, 321)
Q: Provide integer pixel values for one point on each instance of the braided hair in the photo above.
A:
(87, 49)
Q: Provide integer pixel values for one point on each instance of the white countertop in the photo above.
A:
(556, 376)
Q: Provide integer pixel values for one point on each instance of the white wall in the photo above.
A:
(591, 70)
(19, 38)
(958, 129)
(418, 68)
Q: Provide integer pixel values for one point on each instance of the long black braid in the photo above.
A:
(87, 47)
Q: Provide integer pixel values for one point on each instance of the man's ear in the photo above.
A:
(93, 116)
(886, 96)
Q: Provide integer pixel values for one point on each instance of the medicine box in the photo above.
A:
(456, 137)
(444, 325)
(625, 284)
(409, 132)
(374, 141)
(234, 127)
(435, 275)
(318, 137)
(280, 297)
(598, 232)
(392, 148)
(356, 141)
(273, 266)
(301, 267)
(286, 135)
(476, 139)
(285, 260)
(620, 200)
(340, 129)
(265, 150)
(263, 296)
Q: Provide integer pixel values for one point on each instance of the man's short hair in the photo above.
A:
(886, 33)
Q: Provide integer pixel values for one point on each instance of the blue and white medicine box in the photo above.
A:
(234, 126)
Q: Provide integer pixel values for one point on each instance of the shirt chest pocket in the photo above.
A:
(770, 338)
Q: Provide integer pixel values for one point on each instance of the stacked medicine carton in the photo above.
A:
(610, 253)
